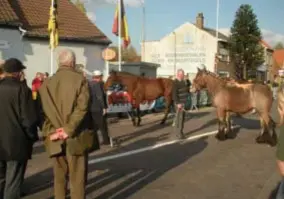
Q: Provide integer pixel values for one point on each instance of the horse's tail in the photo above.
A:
(280, 105)
(273, 123)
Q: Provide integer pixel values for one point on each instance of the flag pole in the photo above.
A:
(51, 49)
(143, 28)
(119, 35)
(51, 61)
(217, 24)
(217, 34)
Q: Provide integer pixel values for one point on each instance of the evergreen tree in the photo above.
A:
(279, 45)
(245, 42)
(127, 54)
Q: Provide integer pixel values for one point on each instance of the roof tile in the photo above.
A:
(278, 56)
(34, 15)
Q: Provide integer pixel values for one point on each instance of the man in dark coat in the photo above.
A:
(99, 106)
(180, 94)
(18, 124)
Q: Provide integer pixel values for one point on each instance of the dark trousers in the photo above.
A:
(280, 192)
(179, 123)
(100, 123)
(11, 178)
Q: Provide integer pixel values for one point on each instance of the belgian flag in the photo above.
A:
(124, 26)
(53, 25)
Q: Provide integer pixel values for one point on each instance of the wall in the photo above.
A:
(187, 47)
(135, 69)
(37, 57)
(149, 71)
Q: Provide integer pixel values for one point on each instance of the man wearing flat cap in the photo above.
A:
(99, 106)
(18, 124)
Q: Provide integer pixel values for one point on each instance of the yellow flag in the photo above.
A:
(53, 25)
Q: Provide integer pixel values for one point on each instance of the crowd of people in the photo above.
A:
(67, 108)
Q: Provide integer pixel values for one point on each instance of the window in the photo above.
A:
(223, 73)
(224, 55)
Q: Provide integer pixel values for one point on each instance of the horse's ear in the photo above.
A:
(198, 69)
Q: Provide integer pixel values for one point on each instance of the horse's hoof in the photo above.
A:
(162, 122)
(260, 139)
(220, 136)
(273, 143)
(230, 136)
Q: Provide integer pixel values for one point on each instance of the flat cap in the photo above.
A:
(13, 65)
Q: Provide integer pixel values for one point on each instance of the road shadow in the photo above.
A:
(247, 123)
(136, 171)
(39, 148)
(143, 168)
(204, 126)
(157, 126)
(38, 182)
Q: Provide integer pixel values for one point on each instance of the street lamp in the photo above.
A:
(175, 52)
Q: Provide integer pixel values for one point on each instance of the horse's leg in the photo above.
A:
(265, 136)
(138, 112)
(133, 116)
(221, 114)
(274, 135)
(228, 125)
(168, 103)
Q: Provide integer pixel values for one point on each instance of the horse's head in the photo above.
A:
(199, 81)
(112, 79)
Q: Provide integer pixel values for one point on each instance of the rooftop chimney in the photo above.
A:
(200, 20)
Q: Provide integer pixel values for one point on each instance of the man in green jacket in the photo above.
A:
(65, 102)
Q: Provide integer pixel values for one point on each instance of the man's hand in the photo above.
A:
(179, 106)
(104, 111)
(54, 137)
(62, 134)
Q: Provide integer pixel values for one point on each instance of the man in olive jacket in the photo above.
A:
(65, 100)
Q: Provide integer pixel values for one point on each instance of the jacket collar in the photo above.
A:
(63, 68)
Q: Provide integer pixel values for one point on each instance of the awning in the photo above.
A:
(262, 68)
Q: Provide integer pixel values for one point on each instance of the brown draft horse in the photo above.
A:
(143, 89)
(238, 98)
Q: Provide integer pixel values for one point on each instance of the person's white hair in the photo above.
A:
(67, 58)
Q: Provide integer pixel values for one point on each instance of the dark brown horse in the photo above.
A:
(143, 89)
(238, 98)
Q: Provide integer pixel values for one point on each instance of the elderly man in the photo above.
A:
(99, 106)
(18, 126)
(180, 94)
(68, 138)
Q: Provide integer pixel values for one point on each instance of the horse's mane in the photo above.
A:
(214, 75)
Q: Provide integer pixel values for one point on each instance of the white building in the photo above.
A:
(189, 46)
(23, 35)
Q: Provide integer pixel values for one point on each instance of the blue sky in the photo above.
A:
(162, 16)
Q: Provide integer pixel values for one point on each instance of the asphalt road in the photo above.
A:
(199, 169)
